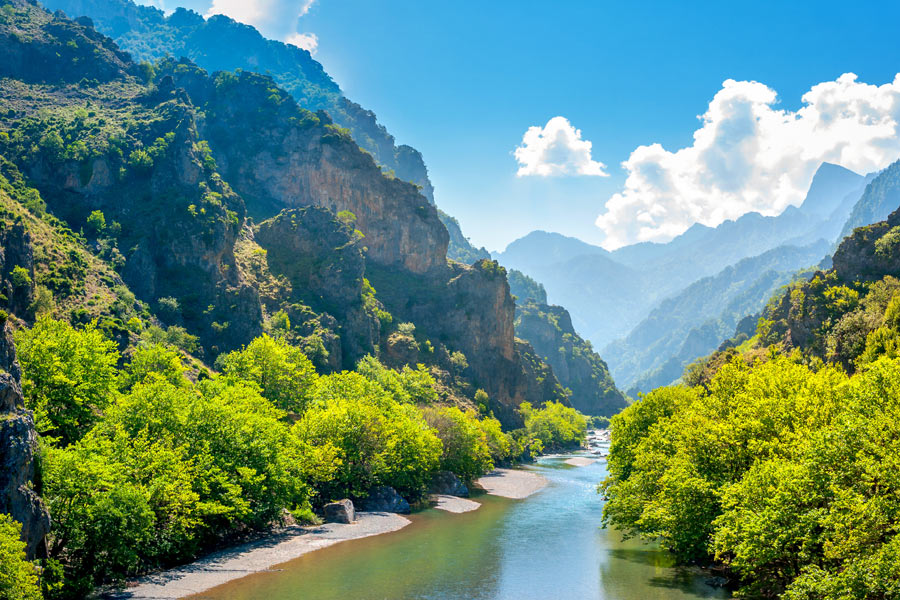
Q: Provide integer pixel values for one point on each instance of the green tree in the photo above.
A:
(68, 376)
(465, 445)
(96, 222)
(283, 372)
(18, 577)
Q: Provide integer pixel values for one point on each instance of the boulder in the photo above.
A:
(341, 511)
(448, 484)
(386, 499)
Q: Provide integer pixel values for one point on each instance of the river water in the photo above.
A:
(547, 547)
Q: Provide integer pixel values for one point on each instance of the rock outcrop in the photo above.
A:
(323, 260)
(18, 445)
(383, 498)
(549, 330)
(448, 484)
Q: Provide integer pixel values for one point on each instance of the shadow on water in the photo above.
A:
(547, 547)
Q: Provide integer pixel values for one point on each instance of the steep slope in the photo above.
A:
(695, 321)
(222, 44)
(549, 330)
(163, 169)
(881, 197)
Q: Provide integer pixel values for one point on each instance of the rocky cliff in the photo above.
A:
(163, 172)
(549, 330)
(18, 446)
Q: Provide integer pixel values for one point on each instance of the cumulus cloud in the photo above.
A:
(307, 41)
(748, 155)
(273, 18)
(556, 149)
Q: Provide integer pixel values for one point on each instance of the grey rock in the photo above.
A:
(448, 484)
(341, 511)
(18, 444)
(386, 499)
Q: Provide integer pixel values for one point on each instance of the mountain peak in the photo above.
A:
(829, 186)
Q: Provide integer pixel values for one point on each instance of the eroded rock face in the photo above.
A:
(324, 262)
(549, 330)
(16, 251)
(18, 444)
(870, 252)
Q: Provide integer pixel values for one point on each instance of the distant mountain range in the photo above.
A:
(654, 307)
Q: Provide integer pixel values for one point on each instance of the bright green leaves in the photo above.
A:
(283, 372)
(68, 377)
(790, 477)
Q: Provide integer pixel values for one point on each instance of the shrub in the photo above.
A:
(18, 577)
(465, 444)
(68, 376)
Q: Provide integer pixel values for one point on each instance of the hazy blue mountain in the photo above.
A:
(880, 199)
(609, 293)
(830, 186)
(694, 322)
(543, 248)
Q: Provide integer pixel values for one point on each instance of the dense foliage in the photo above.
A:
(786, 475)
(781, 461)
(18, 577)
(144, 466)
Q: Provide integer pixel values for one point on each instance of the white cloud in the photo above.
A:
(556, 149)
(273, 18)
(307, 41)
(750, 156)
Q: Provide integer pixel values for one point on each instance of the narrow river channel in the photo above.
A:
(547, 547)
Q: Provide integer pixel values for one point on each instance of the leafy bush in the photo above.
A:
(18, 577)
(68, 376)
(557, 426)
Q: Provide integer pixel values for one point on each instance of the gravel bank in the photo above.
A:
(257, 556)
(512, 483)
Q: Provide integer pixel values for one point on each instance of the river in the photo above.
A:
(549, 546)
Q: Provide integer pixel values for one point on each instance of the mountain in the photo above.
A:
(880, 199)
(611, 293)
(549, 331)
(830, 185)
(542, 248)
(222, 44)
(695, 321)
(213, 208)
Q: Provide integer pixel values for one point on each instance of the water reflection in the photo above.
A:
(547, 547)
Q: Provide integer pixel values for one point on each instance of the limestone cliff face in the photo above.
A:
(18, 445)
(16, 251)
(325, 265)
(277, 155)
(469, 309)
(549, 329)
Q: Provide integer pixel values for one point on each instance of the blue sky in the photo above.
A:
(464, 81)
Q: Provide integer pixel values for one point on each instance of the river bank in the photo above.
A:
(292, 542)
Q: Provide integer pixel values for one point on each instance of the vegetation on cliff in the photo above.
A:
(777, 462)
(549, 330)
(151, 466)
(213, 333)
